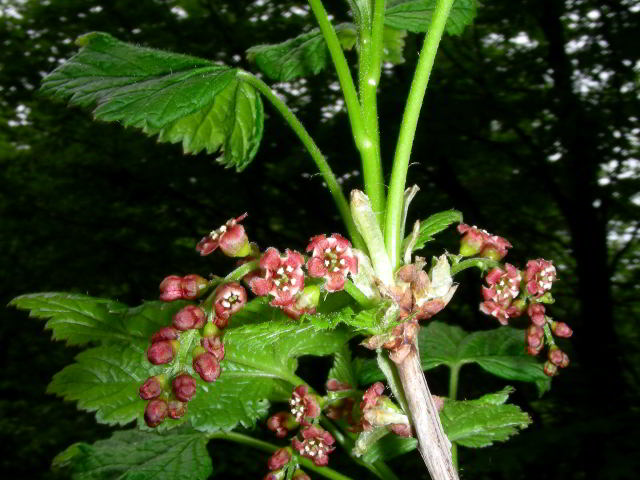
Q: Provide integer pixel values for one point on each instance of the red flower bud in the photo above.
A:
(189, 317)
(155, 412)
(561, 329)
(184, 387)
(151, 388)
(171, 288)
(214, 346)
(477, 241)
(162, 352)
(207, 367)
(229, 299)
(192, 286)
(176, 409)
(165, 333)
(281, 423)
(279, 459)
(536, 312)
(230, 237)
(550, 369)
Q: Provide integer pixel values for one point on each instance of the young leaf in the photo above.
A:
(500, 352)
(479, 423)
(178, 97)
(80, 319)
(178, 455)
(307, 54)
(434, 225)
(342, 370)
(415, 15)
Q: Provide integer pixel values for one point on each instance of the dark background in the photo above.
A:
(530, 127)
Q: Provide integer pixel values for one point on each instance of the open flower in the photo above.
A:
(304, 405)
(316, 445)
(230, 237)
(503, 288)
(229, 299)
(539, 275)
(281, 276)
(476, 241)
(332, 259)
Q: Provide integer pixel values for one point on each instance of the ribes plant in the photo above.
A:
(219, 353)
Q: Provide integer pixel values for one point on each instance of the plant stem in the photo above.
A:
(268, 447)
(314, 151)
(481, 263)
(357, 295)
(453, 392)
(393, 238)
(371, 168)
(378, 468)
(433, 444)
(369, 78)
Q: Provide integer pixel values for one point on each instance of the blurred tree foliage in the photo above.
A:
(530, 127)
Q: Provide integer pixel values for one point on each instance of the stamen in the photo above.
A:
(289, 268)
(280, 271)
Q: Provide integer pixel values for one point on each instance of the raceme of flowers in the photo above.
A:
(510, 292)
(280, 277)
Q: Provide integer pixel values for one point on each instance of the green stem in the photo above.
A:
(393, 225)
(372, 170)
(378, 468)
(453, 392)
(369, 79)
(314, 151)
(268, 447)
(357, 295)
(481, 263)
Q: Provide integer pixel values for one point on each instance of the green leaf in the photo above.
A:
(388, 447)
(479, 423)
(329, 320)
(433, 225)
(415, 15)
(342, 370)
(133, 454)
(500, 352)
(181, 98)
(307, 54)
(80, 319)
(259, 366)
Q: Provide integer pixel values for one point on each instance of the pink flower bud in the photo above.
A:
(534, 339)
(184, 387)
(176, 409)
(550, 369)
(536, 313)
(477, 241)
(561, 329)
(165, 333)
(279, 459)
(155, 412)
(229, 299)
(162, 352)
(193, 286)
(214, 346)
(171, 288)
(282, 423)
(151, 388)
(189, 317)
(207, 367)
(371, 395)
(316, 445)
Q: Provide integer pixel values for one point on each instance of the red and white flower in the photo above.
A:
(281, 276)
(304, 405)
(504, 287)
(539, 276)
(332, 259)
(230, 237)
(316, 445)
(228, 300)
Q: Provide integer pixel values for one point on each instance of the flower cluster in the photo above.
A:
(510, 292)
